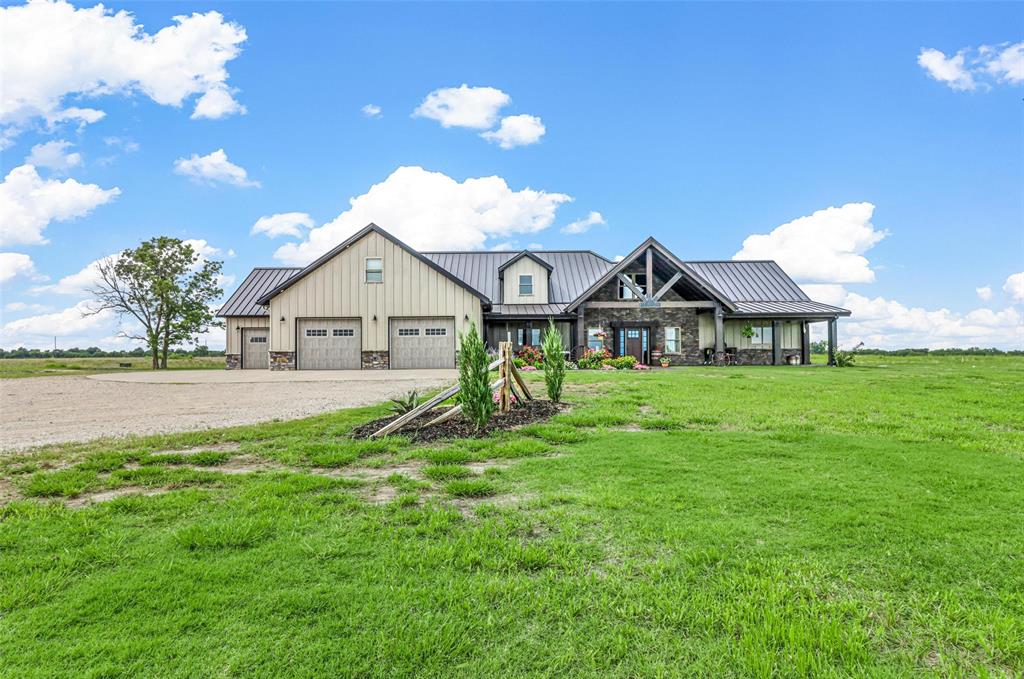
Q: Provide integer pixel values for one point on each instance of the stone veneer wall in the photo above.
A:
(232, 361)
(685, 318)
(762, 356)
(282, 360)
(376, 360)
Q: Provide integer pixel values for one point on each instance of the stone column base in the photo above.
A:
(376, 360)
(232, 361)
(282, 360)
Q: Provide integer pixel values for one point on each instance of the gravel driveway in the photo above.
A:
(40, 410)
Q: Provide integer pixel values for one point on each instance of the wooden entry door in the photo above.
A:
(633, 342)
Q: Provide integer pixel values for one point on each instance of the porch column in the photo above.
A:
(719, 330)
(776, 343)
(581, 329)
(833, 337)
(805, 343)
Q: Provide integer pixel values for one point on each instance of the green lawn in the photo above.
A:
(46, 367)
(705, 521)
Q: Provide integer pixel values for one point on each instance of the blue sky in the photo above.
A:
(700, 124)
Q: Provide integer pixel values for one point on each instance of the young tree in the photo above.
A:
(554, 362)
(474, 378)
(165, 286)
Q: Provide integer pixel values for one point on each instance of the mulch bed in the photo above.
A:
(459, 427)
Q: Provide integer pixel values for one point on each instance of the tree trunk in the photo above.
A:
(154, 350)
(163, 354)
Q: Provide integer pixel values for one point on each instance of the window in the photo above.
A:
(519, 336)
(408, 332)
(638, 279)
(374, 270)
(672, 340)
(535, 336)
(344, 332)
(595, 338)
(316, 332)
(526, 284)
(436, 332)
(762, 335)
(256, 340)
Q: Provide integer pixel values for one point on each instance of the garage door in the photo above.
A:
(422, 342)
(254, 348)
(329, 344)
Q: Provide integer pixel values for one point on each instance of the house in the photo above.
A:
(375, 302)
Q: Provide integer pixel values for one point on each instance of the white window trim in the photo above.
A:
(521, 277)
(600, 340)
(678, 340)
(366, 269)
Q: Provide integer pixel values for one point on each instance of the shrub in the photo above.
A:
(474, 378)
(621, 362)
(845, 359)
(404, 404)
(554, 363)
(592, 359)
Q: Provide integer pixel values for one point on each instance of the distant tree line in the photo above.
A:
(821, 347)
(96, 352)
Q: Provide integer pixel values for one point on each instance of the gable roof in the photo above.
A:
(354, 238)
(572, 271)
(751, 280)
(244, 301)
(626, 261)
(521, 255)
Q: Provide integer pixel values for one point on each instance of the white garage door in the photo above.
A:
(422, 342)
(329, 344)
(254, 348)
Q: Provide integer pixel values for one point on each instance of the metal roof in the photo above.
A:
(527, 309)
(260, 281)
(751, 281)
(797, 308)
(573, 271)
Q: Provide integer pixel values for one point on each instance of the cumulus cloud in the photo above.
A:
(18, 307)
(79, 283)
(984, 293)
(282, 224)
(53, 51)
(583, 225)
(213, 168)
(514, 131)
(53, 155)
(429, 210)
(1014, 286)
(28, 203)
(73, 322)
(371, 111)
(827, 246)
(971, 69)
(465, 106)
(127, 145)
(14, 265)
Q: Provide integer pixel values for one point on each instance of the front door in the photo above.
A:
(633, 342)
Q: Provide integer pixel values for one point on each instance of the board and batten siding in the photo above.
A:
(337, 289)
(233, 331)
(510, 291)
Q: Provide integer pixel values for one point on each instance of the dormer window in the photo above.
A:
(525, 285)
(374, 270)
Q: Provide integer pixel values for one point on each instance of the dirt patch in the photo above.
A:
(229, 447)
(243, 464)
(525, 413)
(412, 469)
(86, 499)
(629, 428)
(468, 505)
(8, 492)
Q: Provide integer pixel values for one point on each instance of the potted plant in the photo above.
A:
(747, 331)
(665, 362)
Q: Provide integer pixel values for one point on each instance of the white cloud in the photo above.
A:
(72, 322)
(16, 307)
(520, 130)
(583, 225)
(535, 246)
(618, 258)
(984, 293)
(465, 106)
(429, 210)
(827, 293)
(53, 155)
(1014, 286)
(14, 265)
(53, 51)
(371, 111)
(29, 203)
(212, 168)
(825, 247)
(283, 224)
(127, 145)
(79, 283)
(971, 69)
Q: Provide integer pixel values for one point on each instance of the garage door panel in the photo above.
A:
(329, 344)
(255, 342)
(422, 343)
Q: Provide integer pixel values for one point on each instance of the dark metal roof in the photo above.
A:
(539, 310)
(572, 271)
(797, 308)
(751, 281)
(260, 281)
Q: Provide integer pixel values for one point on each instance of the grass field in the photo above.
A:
(46, 367)
(718, 522)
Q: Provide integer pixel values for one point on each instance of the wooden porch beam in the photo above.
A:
(776, 343)
(649, 263)
(697, 304)
(719, 329)
(668, 286)
(629, 284)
